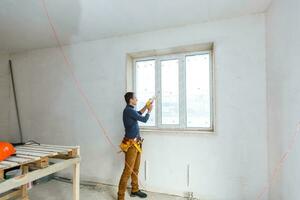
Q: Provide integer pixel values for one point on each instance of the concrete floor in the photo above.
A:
(56, 190)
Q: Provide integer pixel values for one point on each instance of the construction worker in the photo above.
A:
(131, 145)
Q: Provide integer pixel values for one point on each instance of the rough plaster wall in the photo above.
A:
(228, 165)
(283, 69)
(8, 122)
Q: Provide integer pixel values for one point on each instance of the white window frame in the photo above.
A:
(182, 127)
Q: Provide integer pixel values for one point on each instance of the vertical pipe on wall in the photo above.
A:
(16, 100)
(145, 171)
(188, 176)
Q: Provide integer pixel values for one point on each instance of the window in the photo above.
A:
(183, 87)
(170, 91)
(145, 85)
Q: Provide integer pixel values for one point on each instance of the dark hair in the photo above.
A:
(128, 96)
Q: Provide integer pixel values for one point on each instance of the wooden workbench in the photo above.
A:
(33, 160)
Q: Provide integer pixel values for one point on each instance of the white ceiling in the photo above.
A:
(23, 23)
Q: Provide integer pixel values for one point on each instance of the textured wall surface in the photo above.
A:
(8, 123)
(230, 164)
(283, 69)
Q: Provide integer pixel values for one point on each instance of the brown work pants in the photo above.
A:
(131, 169)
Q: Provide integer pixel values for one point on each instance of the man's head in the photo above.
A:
(130, 98)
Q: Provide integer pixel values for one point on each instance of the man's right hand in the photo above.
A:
(150, 107)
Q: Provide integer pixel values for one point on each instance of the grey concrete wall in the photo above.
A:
(8, 121)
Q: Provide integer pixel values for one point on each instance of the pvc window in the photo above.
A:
(183, 87)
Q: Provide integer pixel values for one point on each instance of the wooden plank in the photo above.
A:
(61, 146)
(42, 163)
(39, 151)
(19, 160)
(58, 146)
(24, 190)
(11, 195)
(1, 174)
(9, 164)
(48, 147)
(2, 166)
(42, 149)
(34, 153)
(34, 175)
(30, 157)
(71, 154)
(76, 178)
(74, 153)
(61, 156)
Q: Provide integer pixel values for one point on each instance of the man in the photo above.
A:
(131, 145)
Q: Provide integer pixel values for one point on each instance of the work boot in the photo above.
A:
(138, 194)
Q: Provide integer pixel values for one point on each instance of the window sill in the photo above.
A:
(176, 131)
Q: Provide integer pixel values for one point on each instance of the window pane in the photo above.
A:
(145, 86)
(170, 92)
(198, 91)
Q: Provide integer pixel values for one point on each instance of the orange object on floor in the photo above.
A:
(6, 150)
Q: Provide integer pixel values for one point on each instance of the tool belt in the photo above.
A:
(127, 143)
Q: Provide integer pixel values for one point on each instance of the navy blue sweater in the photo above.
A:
(130, 121)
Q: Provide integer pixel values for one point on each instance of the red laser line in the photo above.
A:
(279, 165)
(75, 79)
(79, 86)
